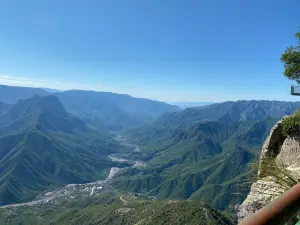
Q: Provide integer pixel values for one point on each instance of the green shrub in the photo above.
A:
(291, 125)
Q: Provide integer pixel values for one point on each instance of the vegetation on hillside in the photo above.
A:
(43, 147)
(200, 160)
(291, 125)
(113, 208)
(197, 154)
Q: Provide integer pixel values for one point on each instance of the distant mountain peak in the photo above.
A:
(44, 112)
(37, 105)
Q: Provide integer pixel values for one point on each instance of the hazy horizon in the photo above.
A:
(181, 104)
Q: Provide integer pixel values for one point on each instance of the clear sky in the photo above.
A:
(170, 50)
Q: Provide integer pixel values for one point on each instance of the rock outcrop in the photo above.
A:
(285, 153)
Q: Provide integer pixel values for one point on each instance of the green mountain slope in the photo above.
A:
(110, 208)
(199, 153)
(45, 111)
(202, 161)
(42, 146)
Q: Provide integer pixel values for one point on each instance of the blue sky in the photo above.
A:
(169, 50)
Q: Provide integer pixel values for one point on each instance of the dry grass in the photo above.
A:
(277, 177)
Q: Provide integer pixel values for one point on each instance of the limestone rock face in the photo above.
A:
(260, 194)
(285, 151)
(272, 144)
(290, 152)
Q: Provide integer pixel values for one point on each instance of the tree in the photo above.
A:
(291, 60)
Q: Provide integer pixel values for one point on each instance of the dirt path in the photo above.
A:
(112, 173)
(93, 189)
(123, 200)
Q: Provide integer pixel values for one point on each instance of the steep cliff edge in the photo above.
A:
(279, 169)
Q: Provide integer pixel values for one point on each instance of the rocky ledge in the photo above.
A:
(284, 151)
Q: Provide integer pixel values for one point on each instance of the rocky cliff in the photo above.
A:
(279, 168)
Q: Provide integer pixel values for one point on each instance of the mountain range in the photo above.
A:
(232, 111)
(202, 153)
(103, 110)
(48, 140)
(203, 161)
(42, 146)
